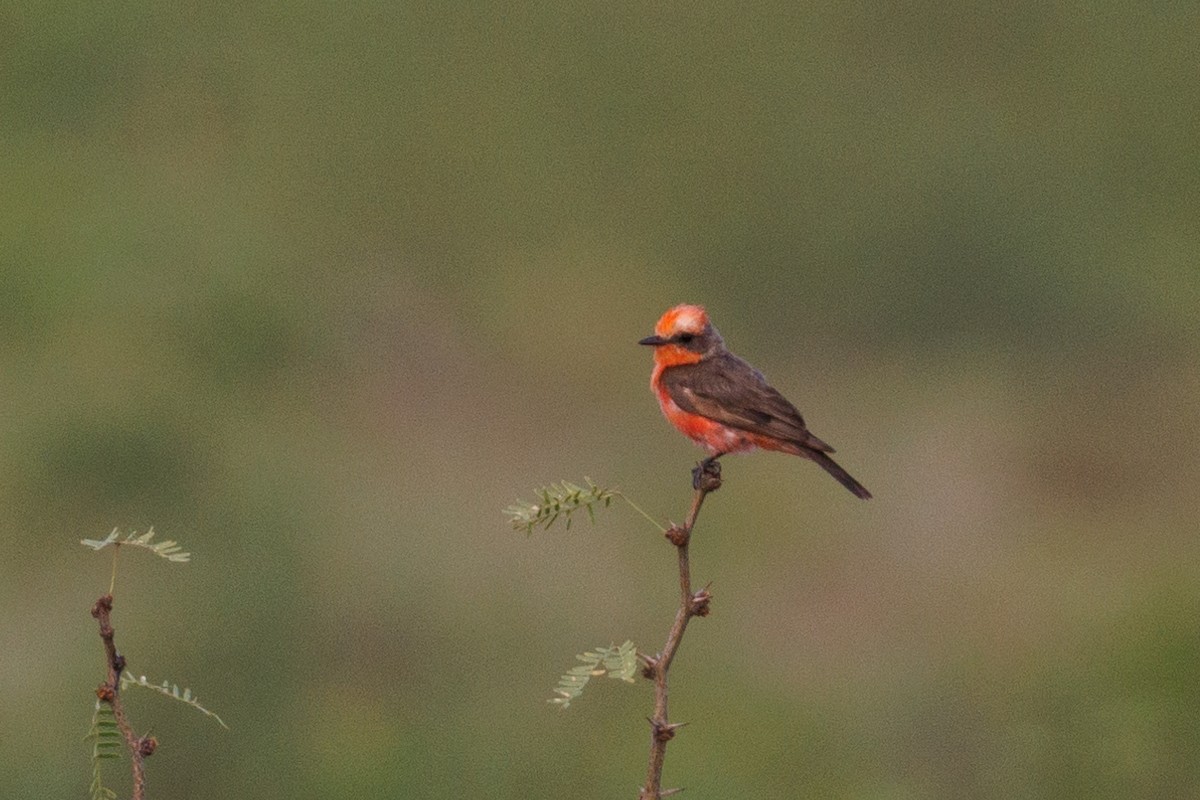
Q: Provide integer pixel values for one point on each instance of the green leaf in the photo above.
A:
(563, 499)
(169, 549)
(615, 662)
(102, 733)
(171, 690)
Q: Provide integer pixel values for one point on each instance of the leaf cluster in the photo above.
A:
(615, 662)
(168, 549)
(558, 500)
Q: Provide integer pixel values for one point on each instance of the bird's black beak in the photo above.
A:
(653, 341)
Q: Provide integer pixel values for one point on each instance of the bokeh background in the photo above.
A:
(319, 289)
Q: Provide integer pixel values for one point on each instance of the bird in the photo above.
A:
(723, 403)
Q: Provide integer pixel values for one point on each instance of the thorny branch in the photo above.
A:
(706, 477)
(110, 692)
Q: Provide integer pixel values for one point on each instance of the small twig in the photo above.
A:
(705, 478)
(110, 692)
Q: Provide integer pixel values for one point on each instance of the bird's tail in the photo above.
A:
(833, 468)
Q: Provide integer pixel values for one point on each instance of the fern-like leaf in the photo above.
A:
(612, 661)
(563, 500)
(168, 549)
(171, 690)
(106, 744)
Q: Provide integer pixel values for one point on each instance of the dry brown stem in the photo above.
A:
(705, 478)
(110, 692)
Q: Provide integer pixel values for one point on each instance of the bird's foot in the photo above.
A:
(706, 476)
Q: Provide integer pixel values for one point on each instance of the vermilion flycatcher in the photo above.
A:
(721, 402)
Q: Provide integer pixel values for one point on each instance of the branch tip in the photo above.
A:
(104, 603)
(706, 476)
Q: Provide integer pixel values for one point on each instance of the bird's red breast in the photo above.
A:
(708, 433)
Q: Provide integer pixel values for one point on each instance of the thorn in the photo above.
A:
(649, 666)
(664, 731)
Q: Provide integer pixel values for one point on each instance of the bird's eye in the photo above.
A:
(684, 338)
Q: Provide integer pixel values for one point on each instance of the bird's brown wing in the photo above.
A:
(726, 389)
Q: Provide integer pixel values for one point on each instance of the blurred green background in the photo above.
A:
(318, 289)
